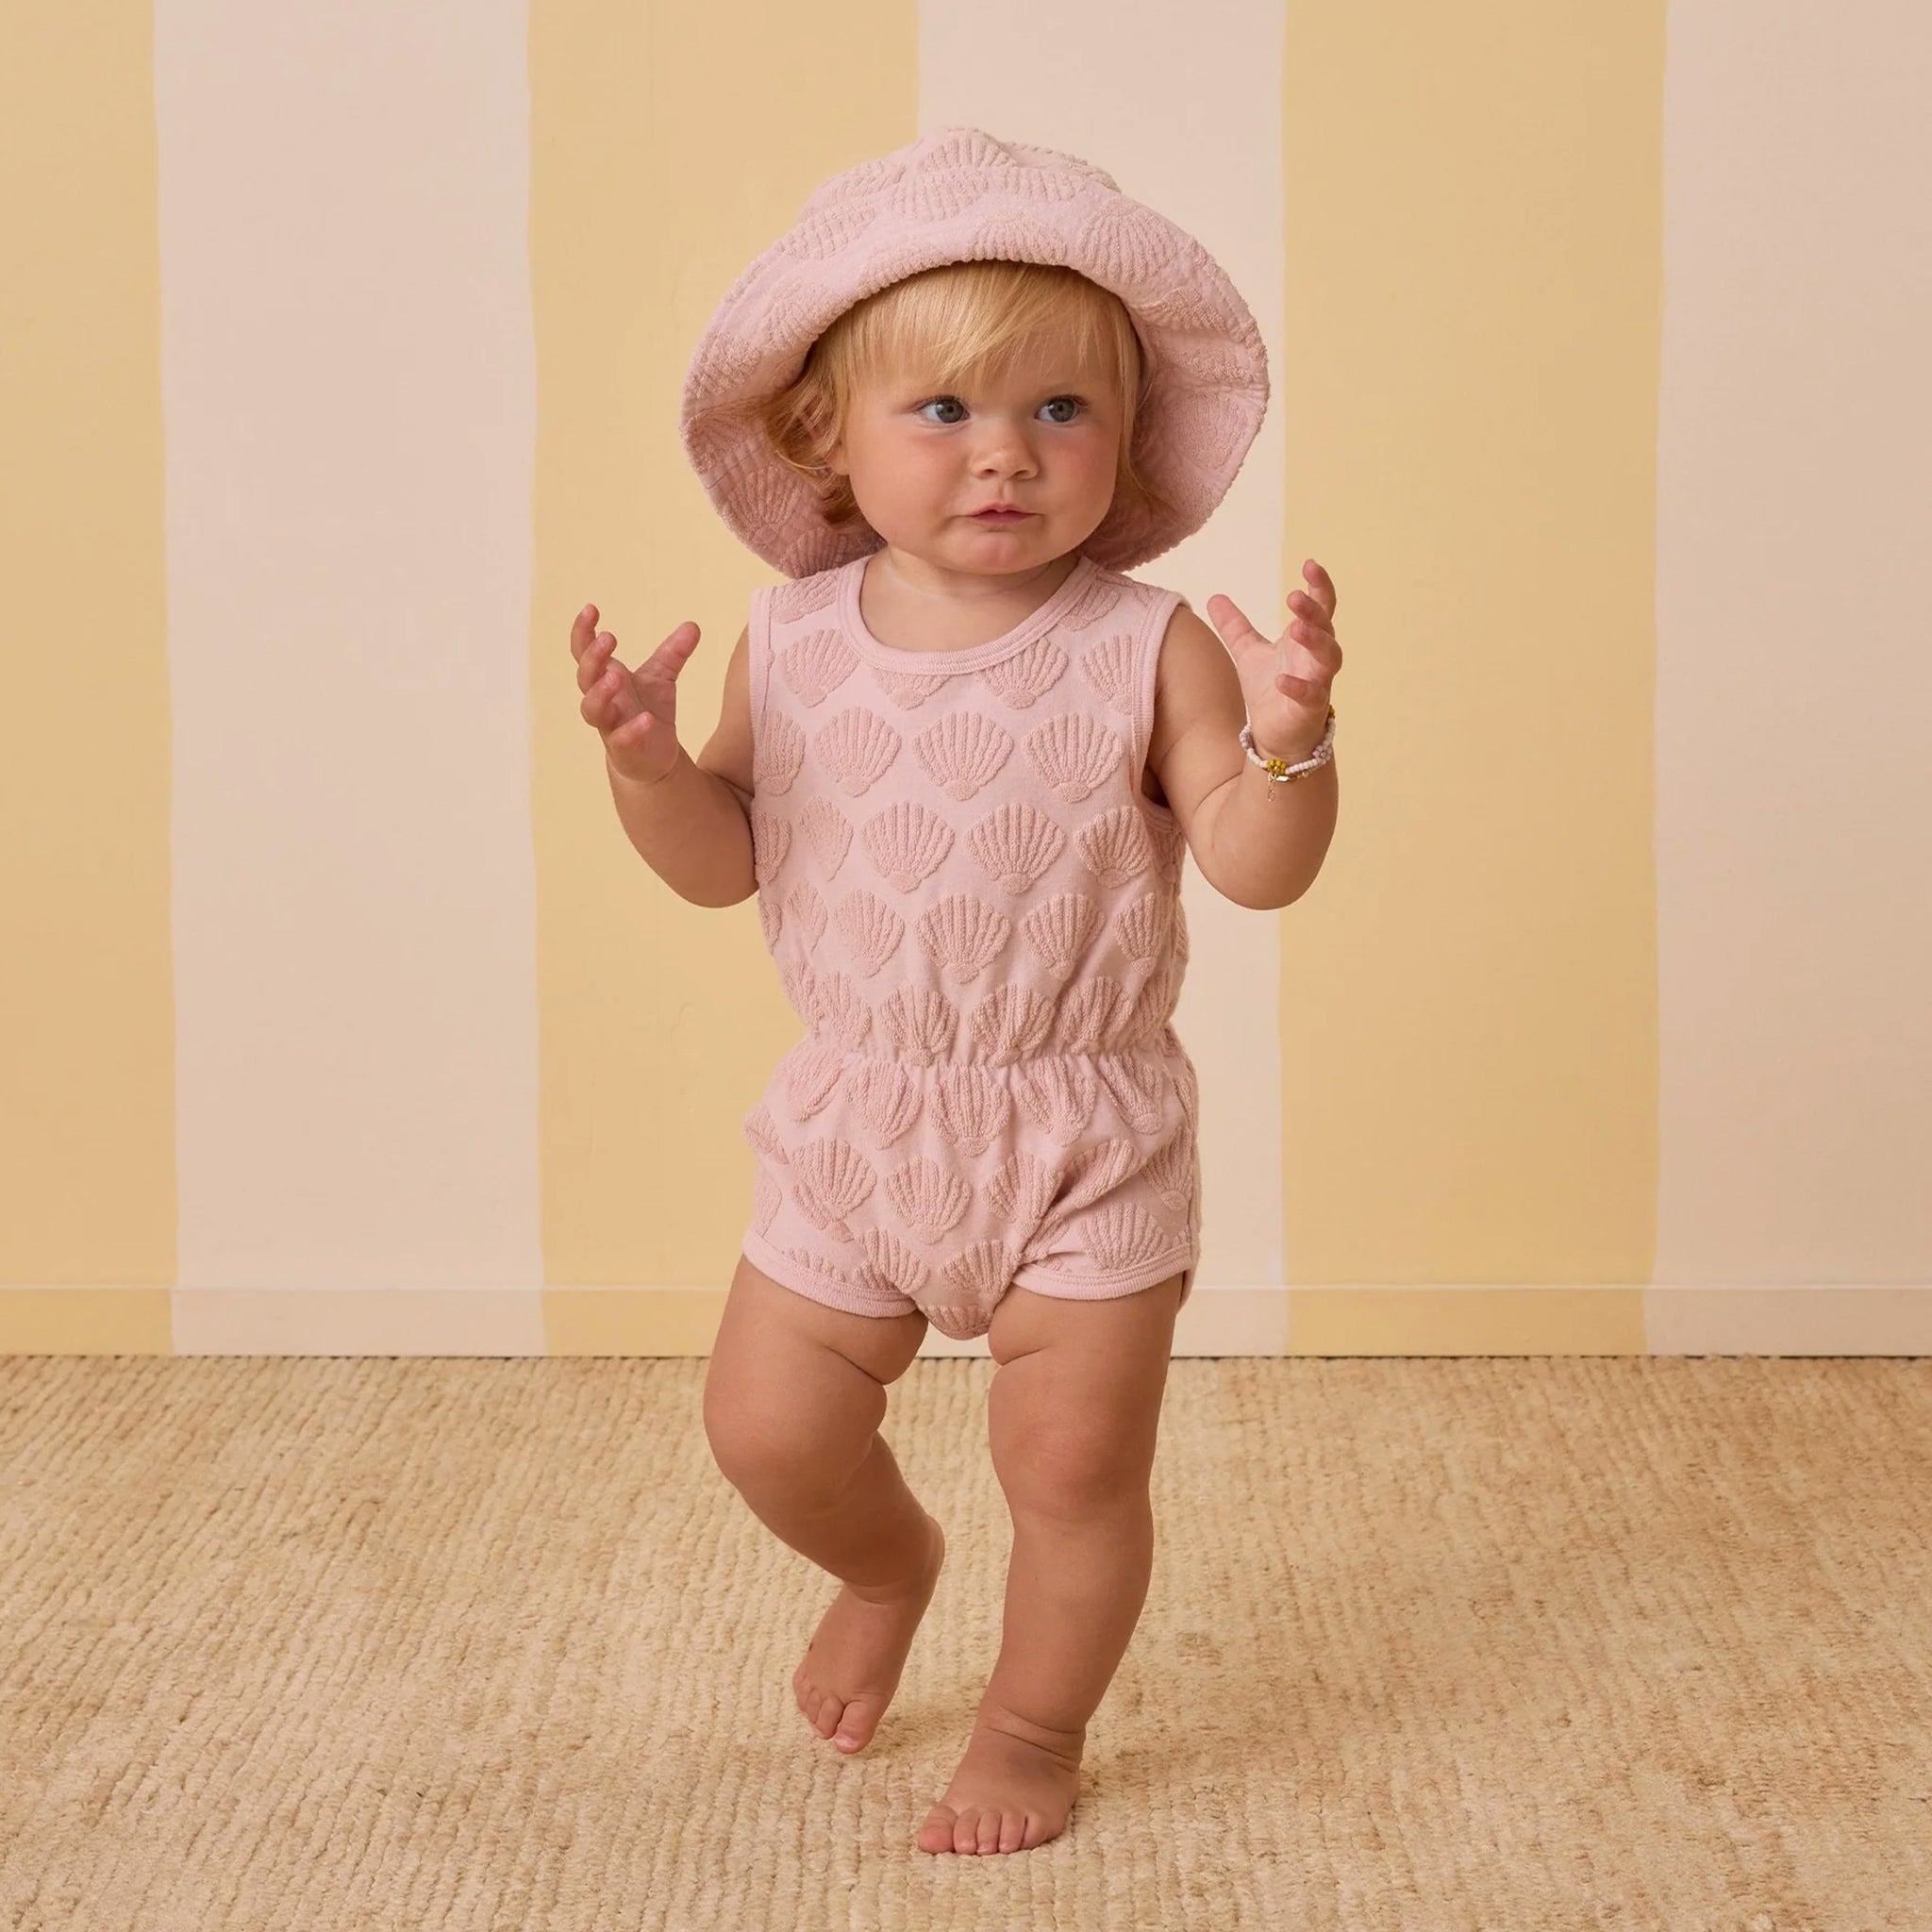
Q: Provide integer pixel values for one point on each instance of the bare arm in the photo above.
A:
(689, 818)
(1258, 843)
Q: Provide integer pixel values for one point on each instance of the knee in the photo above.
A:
(754, 1443)
(1070, 1468)
(777, 1444)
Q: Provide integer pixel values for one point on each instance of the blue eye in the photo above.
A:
(1078, 402)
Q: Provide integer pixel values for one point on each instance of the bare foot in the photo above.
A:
(852, 1664)
(1009, 1795)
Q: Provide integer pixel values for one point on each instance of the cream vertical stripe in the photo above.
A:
(1794, 686)
(1183, 108)
(347, 377)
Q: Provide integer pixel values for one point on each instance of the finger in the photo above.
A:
(1310, 609)
(632, 729)
(583, 630)
(1232, 623)
(1322, 584)
(674, 653)
(599, 707)
(599, 667)
(601, 695)
(1318, 641)
(596, 660)
(612, 688)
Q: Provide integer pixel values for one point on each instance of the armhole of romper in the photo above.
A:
(1161, 608)
(758, 666)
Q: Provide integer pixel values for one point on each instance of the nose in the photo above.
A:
(1004, 455)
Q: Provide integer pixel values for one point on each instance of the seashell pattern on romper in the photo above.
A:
(975, 909)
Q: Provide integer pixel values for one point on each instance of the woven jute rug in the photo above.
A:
(427, 1643)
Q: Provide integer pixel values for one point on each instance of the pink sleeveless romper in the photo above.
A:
(976, 910)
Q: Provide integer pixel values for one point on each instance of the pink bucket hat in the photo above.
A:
(959, 195)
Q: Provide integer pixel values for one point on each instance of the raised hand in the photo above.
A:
(635, 710)
(1287, 711)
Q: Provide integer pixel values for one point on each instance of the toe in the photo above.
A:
(936, 1834)
(856, 1726)
(1012, 1830)
(827, 1720)
(966, 1833)
(990, 1830)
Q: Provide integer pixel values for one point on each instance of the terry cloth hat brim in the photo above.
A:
(959, 195)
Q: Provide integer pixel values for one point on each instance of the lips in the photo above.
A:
(1001, 516)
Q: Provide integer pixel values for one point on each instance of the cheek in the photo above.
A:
(920, 464)
(1100, 461)
(897, 454)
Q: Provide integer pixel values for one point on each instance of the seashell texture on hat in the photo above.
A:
(959, 195)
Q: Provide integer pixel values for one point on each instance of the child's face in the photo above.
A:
(922, 458)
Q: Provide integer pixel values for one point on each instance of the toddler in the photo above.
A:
(960, 760)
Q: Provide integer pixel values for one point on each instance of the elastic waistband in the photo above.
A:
(1165, 1047)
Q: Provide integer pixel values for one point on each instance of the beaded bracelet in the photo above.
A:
(1279, 769)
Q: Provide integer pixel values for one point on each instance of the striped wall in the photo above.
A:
(343, 348)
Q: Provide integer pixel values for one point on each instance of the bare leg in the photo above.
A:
(793, 1398)
(1072, 1417)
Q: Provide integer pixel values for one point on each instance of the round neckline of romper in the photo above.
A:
(963, 656)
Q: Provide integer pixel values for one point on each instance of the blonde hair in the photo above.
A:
(956, 323)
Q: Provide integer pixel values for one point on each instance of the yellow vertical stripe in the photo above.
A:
(87, 1064)
(668, 146)
(1469, 1012)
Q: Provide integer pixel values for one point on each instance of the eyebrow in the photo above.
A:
(1068, 386)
